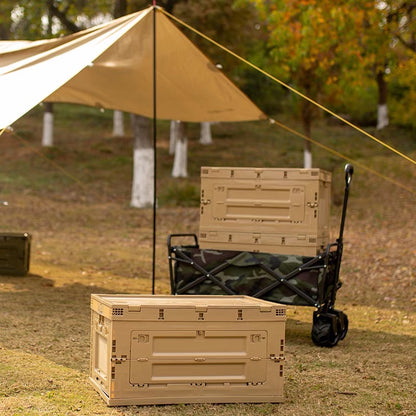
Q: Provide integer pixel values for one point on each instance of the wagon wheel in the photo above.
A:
(342, 323)
(325, 330)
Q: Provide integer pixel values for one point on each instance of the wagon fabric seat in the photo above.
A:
(288, 279)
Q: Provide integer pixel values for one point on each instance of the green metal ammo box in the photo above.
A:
(14, 253)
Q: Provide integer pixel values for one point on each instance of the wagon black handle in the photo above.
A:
(172, 236)
(349, 170)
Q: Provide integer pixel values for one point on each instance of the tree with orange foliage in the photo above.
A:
(315, 43)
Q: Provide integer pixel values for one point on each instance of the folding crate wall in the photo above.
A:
(271, 210)
(186, 349)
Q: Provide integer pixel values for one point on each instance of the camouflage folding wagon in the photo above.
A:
(288, 279)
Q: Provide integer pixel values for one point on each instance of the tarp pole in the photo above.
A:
(154, 150)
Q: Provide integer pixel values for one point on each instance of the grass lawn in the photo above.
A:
(74, 200)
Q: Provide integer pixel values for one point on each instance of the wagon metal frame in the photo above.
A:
(329, 324)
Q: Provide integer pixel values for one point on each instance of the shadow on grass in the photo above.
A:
(40, 318)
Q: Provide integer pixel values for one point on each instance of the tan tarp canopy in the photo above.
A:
(111, 66)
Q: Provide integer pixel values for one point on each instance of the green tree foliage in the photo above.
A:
(344, 53)
(401, 21)
(6, 8)
(387, 44)
(403, 94)
(34, 19)
(314, 44)
(364, 83)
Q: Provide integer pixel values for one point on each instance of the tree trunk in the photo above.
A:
(307, 155)
(118, 123)
(61, 15)
(119, 8)
(206, 136)
(173, 135)
(382, 109)
(307, 110)
(47, 135)
(143, 168)
(180, 168)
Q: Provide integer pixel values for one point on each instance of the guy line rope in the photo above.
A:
(340, 155)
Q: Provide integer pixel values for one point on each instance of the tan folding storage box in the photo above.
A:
(271, 210)
(186, 349)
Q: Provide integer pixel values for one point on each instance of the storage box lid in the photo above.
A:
(184, 301)
(222, 172)
(120, 306)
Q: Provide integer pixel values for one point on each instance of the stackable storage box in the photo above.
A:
(186, 349)
(14, 253)
(271, 210)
